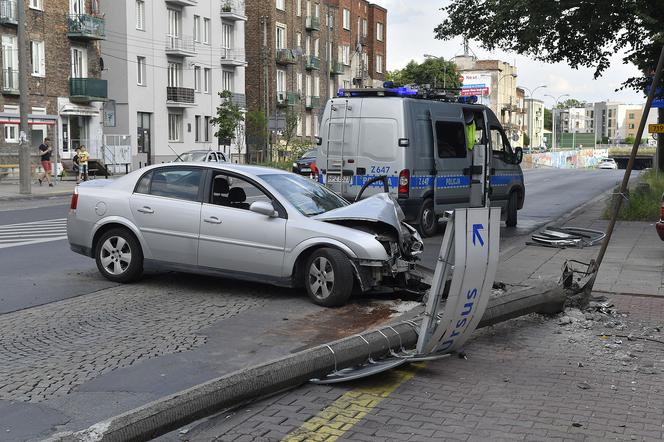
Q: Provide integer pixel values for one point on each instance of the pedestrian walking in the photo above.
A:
(45, 150)
(83, 157)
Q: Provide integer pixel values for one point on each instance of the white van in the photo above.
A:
(420, 145)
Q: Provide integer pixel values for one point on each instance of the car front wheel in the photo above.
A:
(119, 256)
(329, 277)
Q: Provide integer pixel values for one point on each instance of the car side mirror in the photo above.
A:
(264, 208)
(518, 155)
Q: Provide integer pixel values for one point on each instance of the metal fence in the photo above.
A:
(117, 153)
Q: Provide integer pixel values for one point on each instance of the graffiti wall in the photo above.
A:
(566, 159)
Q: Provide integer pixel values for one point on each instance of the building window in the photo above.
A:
(316, 47)
(9, 62)
(281, 81)
(298, 7)
(79, 63)
(298, 39)
(38, 58)
(197, 28)
(206, 129)
(206, 31)
(281, 36)
(37, 4)
(330, 20)
(174, 20)
(364, 28)
(174, 127)
(344, 55)
(308, 8)
(140, 71)
(197, 78)
(631, 116)
(307, 126)
(11, 130)
(299, 127)
(346, 19)
(206, 80)
(174, 74)
(299, 83)
(379, 64)
(227, 81)
(281, 4)
(140, 15)
(197, 128)
(379, 31)
(316, 10)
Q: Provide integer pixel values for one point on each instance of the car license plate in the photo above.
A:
(305, 169)
(338, 179)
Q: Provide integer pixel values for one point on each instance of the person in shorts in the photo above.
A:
(45, 150)
(83, 157)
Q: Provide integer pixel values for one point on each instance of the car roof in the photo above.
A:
(242, 168)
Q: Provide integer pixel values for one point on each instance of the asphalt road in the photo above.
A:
(39, 273)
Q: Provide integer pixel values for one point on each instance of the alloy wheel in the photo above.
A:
(321, 277)
(115, 255)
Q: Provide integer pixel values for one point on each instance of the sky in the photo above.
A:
(410, 25)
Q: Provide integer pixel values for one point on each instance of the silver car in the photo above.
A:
(243, 222)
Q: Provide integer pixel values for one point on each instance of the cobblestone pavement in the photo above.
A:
(47, 351)
(580, 376)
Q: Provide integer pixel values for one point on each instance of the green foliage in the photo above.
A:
(292, 118)
(526, 140)
(282, 164)
(548, 119)
(644, 199)
(624, 151)
(571, 102)
(434, 71)
(256, 128)
(228, 118)
(581, 33)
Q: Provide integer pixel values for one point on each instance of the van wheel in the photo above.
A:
(119, 256)
(512, 203)
(428, 222)
(328, 277)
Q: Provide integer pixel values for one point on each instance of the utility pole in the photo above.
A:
(25, 169)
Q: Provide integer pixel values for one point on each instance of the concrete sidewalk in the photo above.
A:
(9, 190)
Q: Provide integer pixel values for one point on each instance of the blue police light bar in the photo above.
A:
(470, 99)
(377, 92)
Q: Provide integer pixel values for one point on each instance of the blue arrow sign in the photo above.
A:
(476, 234)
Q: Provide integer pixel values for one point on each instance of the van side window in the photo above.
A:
(451, 140)
(499, 142)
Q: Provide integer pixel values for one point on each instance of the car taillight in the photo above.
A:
(74, 199)
(661, 210)
(404, 182)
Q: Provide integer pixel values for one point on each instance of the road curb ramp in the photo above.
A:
(237, 388)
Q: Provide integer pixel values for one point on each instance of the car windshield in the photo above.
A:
(307, 196)
(310, 154)
(193, 156)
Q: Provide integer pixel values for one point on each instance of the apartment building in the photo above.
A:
(66, 92)
(301, 52)
(535, 121)
(165, 62)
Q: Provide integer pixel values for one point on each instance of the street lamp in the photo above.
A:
(530, 109)
(553, 118)
(433, 57)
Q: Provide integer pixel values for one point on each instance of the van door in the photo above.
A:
(452, 160)
(503, 172)
(341, 146)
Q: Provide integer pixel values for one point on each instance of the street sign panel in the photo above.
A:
(656, 128)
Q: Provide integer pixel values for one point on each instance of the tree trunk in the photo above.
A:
(660, 141)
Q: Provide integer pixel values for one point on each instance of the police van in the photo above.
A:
(421, 143)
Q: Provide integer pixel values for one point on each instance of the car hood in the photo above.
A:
(380, 207)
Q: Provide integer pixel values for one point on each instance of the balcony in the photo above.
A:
(180, 46)
(233, 57)
(8, 13)
(179, 97)
(337, 68)
(312, 23)
(285, 99)
(85, 27)
(182, 2)
(85, 90)
(10, 82)
(312, 102)
(312, 63)
(232, 11)
(240, 100)
(286, 56)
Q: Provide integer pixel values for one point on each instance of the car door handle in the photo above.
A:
(212, 220)
(146, 209)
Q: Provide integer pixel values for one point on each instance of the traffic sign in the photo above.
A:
(656, 128)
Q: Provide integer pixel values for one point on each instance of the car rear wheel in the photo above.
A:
(329, 277)
(512, 205)
(119, 256)
(428, 222)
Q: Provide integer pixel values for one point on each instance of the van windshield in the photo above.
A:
(307, 196)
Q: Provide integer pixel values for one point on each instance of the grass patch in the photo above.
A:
(626, 151)
(644, 199)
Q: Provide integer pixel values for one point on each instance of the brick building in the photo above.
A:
(300, 52)
(64, 65)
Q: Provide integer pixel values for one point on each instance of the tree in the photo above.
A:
(292, 119)
(433, 71)
(571, 102)
(228, 118)
(548, 119)
(582, 33)
(257, 132)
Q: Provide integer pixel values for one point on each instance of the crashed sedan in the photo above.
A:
(244, 222)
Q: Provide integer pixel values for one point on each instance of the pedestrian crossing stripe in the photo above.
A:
(33, 232)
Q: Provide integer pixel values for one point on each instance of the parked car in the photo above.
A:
(607, 163)
(243, 222)
(206, 156)
(660, 224)
(306, 165)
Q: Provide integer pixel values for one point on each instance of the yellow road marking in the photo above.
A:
(341, 415)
